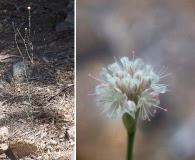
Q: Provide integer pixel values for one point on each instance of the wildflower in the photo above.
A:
(128, 86)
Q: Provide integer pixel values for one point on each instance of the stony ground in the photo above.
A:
(39, 113)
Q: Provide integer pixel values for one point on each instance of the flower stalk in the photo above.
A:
(130, 125)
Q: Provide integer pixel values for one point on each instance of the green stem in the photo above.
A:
(130, 145)
(130, 125)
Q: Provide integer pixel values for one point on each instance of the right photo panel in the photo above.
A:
(135, 80)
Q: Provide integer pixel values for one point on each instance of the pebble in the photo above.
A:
(17, 72)
(64, 26)
(53, 142)
(61, 136)
(71, 132)
(4, 143)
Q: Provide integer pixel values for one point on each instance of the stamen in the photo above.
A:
(149, 112)
(96, 78)
(166, 75)
(142, 113)
(141, 104)
(92, 94)
(114, 58)
(154, 112)
(104, 110)
(156, 98)
(133, 52)
(146, 114)
(113, 111)
(118, 63)
(125, 104)
(163, 72)
(101, 86)
(160, 107)
(161, 84)
(151, 94)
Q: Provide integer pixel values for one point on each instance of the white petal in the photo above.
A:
(134, 85)
(159, 88)
(154, 78)
(125, 62)
(138, 75)
(138, 63)
(104, 74)
(114, 67)
(131, 108)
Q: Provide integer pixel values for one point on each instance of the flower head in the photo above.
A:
(129, 86)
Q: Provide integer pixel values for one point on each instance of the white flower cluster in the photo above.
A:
(129, 86)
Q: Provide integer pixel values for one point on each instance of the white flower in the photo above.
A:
(114, 101)
(147, 102)
(128, 86)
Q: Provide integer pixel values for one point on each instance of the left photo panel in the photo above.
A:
(37, 109)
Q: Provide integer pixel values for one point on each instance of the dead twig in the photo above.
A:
(61, 90)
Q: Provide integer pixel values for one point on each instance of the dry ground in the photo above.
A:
(39, 114)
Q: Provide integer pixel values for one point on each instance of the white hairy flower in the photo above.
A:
(129, 86)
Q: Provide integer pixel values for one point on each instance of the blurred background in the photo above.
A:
(162, 32)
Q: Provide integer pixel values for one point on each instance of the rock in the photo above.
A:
(71, 5)
(1, 26)
(57, 70)
(4, 142)
(63, 26)
(70, 17)
(23, 147)
(19, 72)
(70, 132)
(61, 136)
(61, 158)
(53, 142)
(69, 21)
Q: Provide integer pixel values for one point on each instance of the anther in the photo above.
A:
(133, 52)
(92, 94)
(95, 77)
(101, 86)
(114, 58)
(124, 104)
